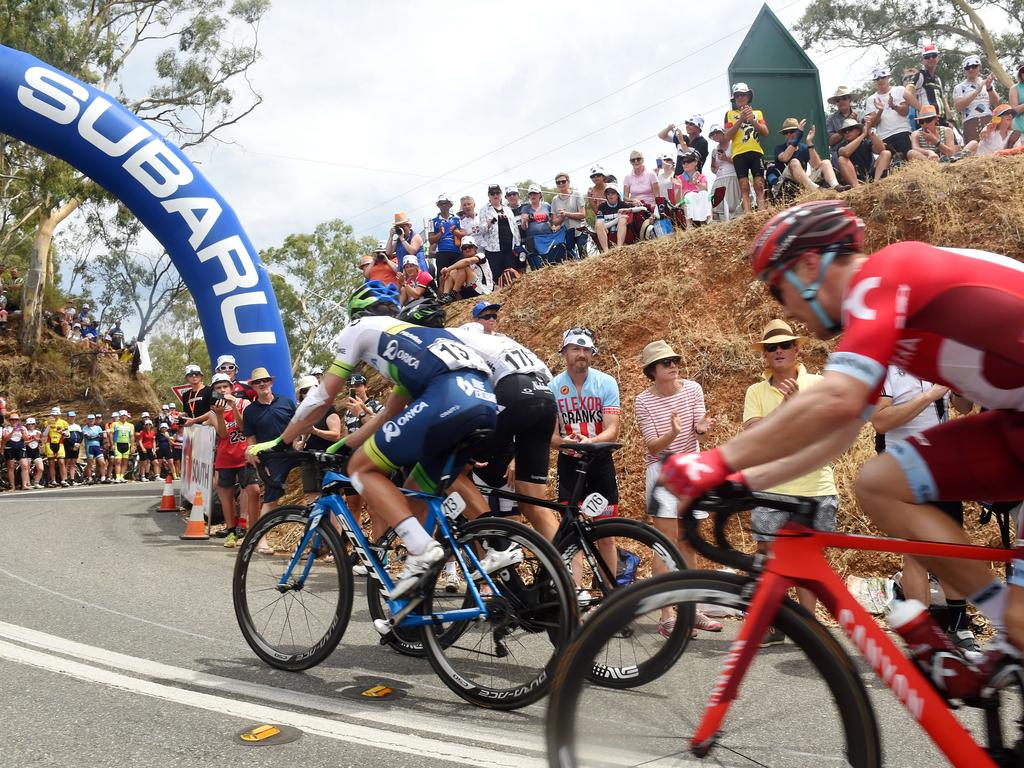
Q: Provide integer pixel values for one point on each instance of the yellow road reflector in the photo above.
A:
(259, 733)
(377, 692)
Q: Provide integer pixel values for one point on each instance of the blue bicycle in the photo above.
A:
(494, 643)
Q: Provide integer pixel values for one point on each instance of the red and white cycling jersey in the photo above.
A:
(947, 315)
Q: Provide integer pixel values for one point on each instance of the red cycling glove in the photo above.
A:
(694, 474)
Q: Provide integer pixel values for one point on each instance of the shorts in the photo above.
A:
(749, 162)
(53, 450)
(973, 126)
(899, 143)
(241, 476)
(975, 457)
(764, 522)
(93, 450)
(600, 479)
(422, 436)
(668, 505)
(523, 431)
(277, 468)
(32, 453)
(121, 450)
(147, 454)
(176, 454)
(446, 259)
(163, 453)
(14, 451)
(72, 450)
(814, 174)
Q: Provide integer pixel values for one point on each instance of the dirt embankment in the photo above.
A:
(696, 291)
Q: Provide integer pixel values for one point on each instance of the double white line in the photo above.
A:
(161, 681)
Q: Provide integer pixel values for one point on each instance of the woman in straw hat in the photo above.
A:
(671, 415)
(402, 242)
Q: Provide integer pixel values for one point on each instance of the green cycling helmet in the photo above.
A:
(373, 298)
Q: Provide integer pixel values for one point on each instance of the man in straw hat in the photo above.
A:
(783, 377)
(953, 317)
(862, 155)
(842, 100)
(671, 416)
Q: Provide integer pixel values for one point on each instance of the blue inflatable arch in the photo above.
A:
(68, 119)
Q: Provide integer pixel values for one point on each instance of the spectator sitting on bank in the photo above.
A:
(595, 195)
(842, 100)
(935, 142)
(725, 193)
(116, 337)
(75, 334)
(378, 266)
(799, 161)
(570, 215)
(499, 237)
(745, 126)
(862, 154)
(690, 189)
(1017, 102)
(445, 234)
(534, 219)
(610, 218)
(974, 99)
(414, 283)
(995, 135)
(689, 138)
(468, 277)
(91, 332)
(641, 185)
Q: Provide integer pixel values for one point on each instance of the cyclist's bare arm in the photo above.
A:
(830, 405)
(805, 460)
(313, 407)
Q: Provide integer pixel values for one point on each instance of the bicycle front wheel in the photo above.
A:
(291, 618)
(504, 661)
(642, 650)
(825, 720)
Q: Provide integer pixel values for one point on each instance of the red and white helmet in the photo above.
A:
(813, 225)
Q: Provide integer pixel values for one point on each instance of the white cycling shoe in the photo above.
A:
(415, 567)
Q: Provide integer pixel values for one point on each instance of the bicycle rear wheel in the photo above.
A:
(642, 650)
(504, 661)
(296, 626)
(826, 718)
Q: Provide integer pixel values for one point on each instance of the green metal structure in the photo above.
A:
(783, 77)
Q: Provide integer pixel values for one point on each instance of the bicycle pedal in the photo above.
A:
(383, 627)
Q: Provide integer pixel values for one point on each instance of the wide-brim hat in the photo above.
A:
(790, 124)
(260, 373)
(850, 123)
(401, 218)
(776, 331)
(926, 112)
(306, 382)
(657, 350)
(841, 91)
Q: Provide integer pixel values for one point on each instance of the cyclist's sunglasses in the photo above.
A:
(779, 345)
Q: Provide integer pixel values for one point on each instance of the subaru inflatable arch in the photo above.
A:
(92, 132)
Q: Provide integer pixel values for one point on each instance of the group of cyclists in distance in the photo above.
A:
(948, 315)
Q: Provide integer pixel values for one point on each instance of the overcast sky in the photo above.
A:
(374, 108)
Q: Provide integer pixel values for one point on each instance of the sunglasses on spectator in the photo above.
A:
(193, 373)
(636, 160)
(779, 345)
(931, 56)
(258, 382)
(561, 181)
(227, 367)
(929, 120)
(494, 194)
(668, 362)
(489, 317)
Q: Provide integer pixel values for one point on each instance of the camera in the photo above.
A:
(217, 397)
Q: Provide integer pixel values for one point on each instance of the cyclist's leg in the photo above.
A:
(979, 456)
(537, 420)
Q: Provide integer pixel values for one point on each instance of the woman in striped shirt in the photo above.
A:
(671, 415)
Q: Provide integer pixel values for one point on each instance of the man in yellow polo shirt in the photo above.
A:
(784, 377)
(53, 446)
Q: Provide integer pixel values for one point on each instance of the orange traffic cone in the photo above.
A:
(196, 528)
(167, 502)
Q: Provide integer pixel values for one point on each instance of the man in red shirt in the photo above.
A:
(229, 461)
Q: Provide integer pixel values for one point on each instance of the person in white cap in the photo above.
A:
(33, 439)
(72, 447)
(445, 233)
(195, 401)
(974, 98)
(534, 219)
(929, 88)
(588, 412)
(233, 471)
(889, 106)
(226, 364)
(745, 126)
(689, 138)
(53, 447)
(413, 282)
(122, 439)
(94, 436)
(145, 443)
(468, 277)
(380, 266)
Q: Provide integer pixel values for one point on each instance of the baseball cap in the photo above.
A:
(493, 188)
(410, 259)
(164, 425)
(90, 416)
(55, 411)
(317, 371)
(443, 197)
(145, 414)
(165, 407)
(929, 49)
(356, 378)
(72, 413)
(611, 186)
(581, 337)
(533, 188)
(482, 306)
(147, 421)
(972, 60)
(668, 158)
(219, 377)
(878, 72)
(382, 247)
(697, 120)
(468, 242)
(30, 420)
(226, 360)
(123, 413)
(715, 128)
(115, 414)
(511, 190)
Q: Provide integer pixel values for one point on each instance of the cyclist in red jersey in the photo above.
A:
(951, 316)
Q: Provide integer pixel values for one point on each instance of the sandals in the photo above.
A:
(263, 549)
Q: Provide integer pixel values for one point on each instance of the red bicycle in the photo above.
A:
(733, 701)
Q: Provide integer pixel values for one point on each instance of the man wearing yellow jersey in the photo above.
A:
(744, 126)
(122, 437)
(53, 446)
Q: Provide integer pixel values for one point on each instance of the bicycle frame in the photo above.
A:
(333, 503)
(797, 560)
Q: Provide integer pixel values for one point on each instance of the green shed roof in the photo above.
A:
(768, 47)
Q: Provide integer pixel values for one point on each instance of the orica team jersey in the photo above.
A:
(93, 434)
(123, 431)
(946, 315)
(408, 355)
(582, 411)
(505, 356)
(746, 139)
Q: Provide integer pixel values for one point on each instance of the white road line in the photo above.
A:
(86, 603)
(249, 712)
(403, 720)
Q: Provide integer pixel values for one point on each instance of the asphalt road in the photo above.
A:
(118, 646)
